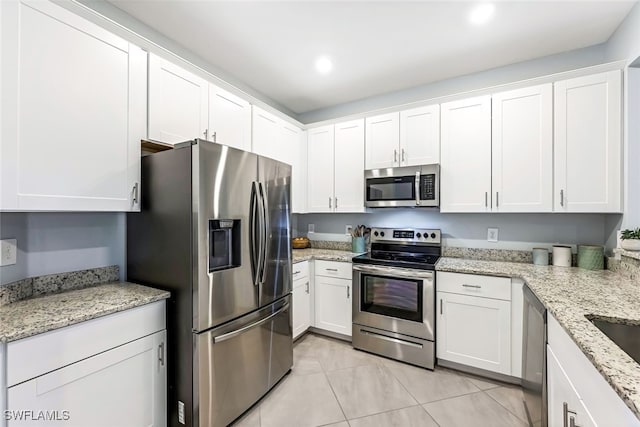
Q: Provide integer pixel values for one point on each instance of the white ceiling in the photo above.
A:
(376, 46)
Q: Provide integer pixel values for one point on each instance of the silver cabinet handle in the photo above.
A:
(161, 354)
(215, 136)
(440, 305)
(348, 292)
(237, 332)
(562, 198)
(307, 287)
(395, 156)
(496, 199)
(336, 203)
(329, 202)
(206, 131)
(135, 193)
(486, 199)
(565, 414)
(572, 422)
(296, 272)
(464, 285)
(403, 156)
(331, 269)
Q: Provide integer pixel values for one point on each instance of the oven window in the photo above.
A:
(392, 188)
(401, 298)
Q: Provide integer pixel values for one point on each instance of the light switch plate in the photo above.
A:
(311, 228)
(8, 252)
(492, 234)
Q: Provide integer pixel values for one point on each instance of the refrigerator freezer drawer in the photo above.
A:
(240, 361)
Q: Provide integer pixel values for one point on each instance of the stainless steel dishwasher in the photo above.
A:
(534, 359)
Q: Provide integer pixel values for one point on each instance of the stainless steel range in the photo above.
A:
(394, 295)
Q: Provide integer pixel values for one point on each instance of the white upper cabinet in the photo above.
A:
(349, 166)
(383, 141)
(320, 155)
(295, 147)
(522, 150)
(588, 144)
(73, 112)
(420, 136)
(178, 103)
(266, 133)
(229, 119)
(465, 167)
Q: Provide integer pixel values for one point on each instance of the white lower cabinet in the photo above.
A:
(301, 298)
(124, 386)
(575, 389)
(109, 371)
(333, 297)
(479, 322)
(565, 407)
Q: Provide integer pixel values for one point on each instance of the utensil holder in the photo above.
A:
(591, 257)
(562, 256)
(358, 245)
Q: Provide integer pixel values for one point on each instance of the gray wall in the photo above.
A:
(58, 242)
(625, 41)
(547, 65)
(514, 229)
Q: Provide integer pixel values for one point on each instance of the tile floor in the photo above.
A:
(333, 385)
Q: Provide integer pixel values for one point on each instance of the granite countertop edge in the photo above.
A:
(555, 287)
(299, 255)
(50, 312)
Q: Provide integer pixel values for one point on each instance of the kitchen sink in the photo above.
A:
(627, 337)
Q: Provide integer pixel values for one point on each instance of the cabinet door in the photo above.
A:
(560, 392)
(73, 112)
(229, 119)
(301, 306)
(383, 141)
(266, 137)
(333, 304)
(465, 168)
(320, 149)
(420, 136)
(474, 331)
(124, 386)
(588, 153)
(522, 150)
(349, 166)
(294, 146)
(178, 103)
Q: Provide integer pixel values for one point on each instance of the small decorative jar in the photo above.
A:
(591, 257)
(540, 256)
(562, 256)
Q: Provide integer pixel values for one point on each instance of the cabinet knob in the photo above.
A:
(395, 156)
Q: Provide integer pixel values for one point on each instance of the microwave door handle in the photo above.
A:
(417, 188)
(253, 228)
(263, 227)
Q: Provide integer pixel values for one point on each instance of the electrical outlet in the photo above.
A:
(8, 252)
(492, 234)
(347, 229)
(311, 228)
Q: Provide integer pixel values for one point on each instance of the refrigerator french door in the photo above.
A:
(214, 230)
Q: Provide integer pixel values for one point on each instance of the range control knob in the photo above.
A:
(375, 233)
(433, 235)
(418, 235)
(382, 233)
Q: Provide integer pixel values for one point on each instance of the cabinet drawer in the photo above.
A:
(300, 270)
(471, 284)
(334, 269)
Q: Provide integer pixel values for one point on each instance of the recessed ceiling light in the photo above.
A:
(482, 13)
(324, 65)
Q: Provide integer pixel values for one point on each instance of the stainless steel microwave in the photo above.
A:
(410, 186)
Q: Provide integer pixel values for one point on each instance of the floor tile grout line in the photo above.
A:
(336, 397)
(401, 384)
(451, 397)
(499, 403)
(429, 414)
(392, 410)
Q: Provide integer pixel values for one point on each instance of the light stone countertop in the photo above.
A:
(300, 255)
(41, 314)
(570, 294)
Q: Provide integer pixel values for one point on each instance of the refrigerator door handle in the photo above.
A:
(264, 236)
(240, 331)
(254, 218)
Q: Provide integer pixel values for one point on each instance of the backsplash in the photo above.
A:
(52, 283)
(628, 264)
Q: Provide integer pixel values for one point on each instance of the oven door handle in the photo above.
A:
(394, 271)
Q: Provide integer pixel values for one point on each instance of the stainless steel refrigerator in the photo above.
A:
(214, 229)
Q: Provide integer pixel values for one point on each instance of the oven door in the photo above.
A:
(394, 299)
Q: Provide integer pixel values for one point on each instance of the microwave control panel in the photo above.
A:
(428, 187)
